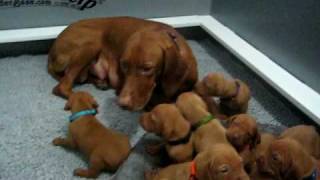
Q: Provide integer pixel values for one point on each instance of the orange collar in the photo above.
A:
(193, 171)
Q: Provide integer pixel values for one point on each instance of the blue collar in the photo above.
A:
(82, 113)
(313, 176)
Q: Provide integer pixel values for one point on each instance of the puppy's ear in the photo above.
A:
(210, 171)
(290, 171)
(230, 120)
(174, 69)
(255, 139)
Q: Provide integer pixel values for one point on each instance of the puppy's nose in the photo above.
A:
(260, 161)
(125, 102)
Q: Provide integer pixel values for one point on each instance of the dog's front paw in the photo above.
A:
(57, 141)
(84, 173)
(61, 92)
(148, 175)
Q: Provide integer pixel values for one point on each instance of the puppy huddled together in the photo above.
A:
(203, 147)
(206, 130)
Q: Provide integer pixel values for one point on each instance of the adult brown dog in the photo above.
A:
(134, 56)
(220, 162)
(105, 148)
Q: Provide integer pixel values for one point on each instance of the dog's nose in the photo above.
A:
(260, 161)
(125, 102)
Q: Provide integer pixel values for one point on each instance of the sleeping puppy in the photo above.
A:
(219, 162)
(260, 156)
(166, 121)
(307, 136)
(286, 159)
(234, 94)
(105, 148)
(243, 134)
(207, 131)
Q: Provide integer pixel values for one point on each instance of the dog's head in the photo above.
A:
(151, 58)
(166, 121)
(220, 162)
(242, 131)
(286, 159)
(213, 84)
(80, 101)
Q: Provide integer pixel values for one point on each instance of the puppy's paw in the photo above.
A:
(84, 173)
(150, 174)
(57, 141)
(61, 92)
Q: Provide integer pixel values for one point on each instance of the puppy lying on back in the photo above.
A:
(234, 94)
(307, 136)
(286, 159)
(105, 148)
(260, 156)
(243, 134)
(207, 130)
(219, 162)
(166, 121)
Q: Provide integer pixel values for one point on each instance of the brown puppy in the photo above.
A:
(288, 160)
(220, 162)
(105, 148)
(307, 136)
(194, 109)
(137, 60)
(234, 94)
(166, 121)
(260, 156)
(243, 134)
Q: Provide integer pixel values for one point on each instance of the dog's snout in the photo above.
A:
(260, 161)
(125, 102)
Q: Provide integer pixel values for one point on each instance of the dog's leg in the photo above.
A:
(79, 61)
(64, 142)
(95, 167)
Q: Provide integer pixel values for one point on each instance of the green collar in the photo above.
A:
(203, 121)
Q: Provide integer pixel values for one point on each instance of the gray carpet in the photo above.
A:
(31, 116)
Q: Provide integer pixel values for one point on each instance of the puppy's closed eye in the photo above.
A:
(224, 169)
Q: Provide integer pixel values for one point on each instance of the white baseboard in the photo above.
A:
(293, 89)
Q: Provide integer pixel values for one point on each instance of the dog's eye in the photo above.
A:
(146, 70)
(124, 67)
(224, 169)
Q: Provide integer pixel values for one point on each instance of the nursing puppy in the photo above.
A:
(307, 136)
(105, 148)
(243, 134)
(207, 130)
(287, 160)
(166, 121)
(234, 94)
(219, 162)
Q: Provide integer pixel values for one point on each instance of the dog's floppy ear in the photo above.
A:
(255, 139)
(230, 120)
(174, 69)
